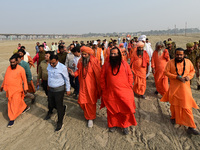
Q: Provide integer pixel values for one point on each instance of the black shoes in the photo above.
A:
(10, 124)
(113, 129)
(173, 121)
(143, 96)
(125, 131)
(48, 116)
(26, 109)
(59, 126)
(192, 131)
(156, 93)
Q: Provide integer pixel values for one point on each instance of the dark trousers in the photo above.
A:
(44, 86)
(75, 84)
(55, 100)
(71, 78)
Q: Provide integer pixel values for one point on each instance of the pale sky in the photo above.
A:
(102, 16)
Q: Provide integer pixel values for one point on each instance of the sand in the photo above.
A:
(154, 130)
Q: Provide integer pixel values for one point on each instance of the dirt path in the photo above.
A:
(154, 131)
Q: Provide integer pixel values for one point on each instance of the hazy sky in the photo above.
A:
(97, 16)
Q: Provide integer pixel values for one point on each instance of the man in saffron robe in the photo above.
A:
(149, 50)
(139, 64)
(158, 62)
(97, 51)
(110, 46)
(89, 83)
(117, 93)
(124, 52)
(180, 71)
(15, 85)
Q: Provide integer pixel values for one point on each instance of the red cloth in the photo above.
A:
(117, 95)
(139, 72)
(89, 84)
(120, 120)
(36, 58)
(145, 59)
(159, 63)
(89, 111)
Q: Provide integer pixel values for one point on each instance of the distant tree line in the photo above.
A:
(174, 31)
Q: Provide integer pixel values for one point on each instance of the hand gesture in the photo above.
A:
(68, 93)
(180, 79)
(71, 72)
(187, 78)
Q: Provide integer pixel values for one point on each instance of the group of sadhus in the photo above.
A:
(114, 81)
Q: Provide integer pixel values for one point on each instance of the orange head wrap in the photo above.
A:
(140, 44)
(121, 45)
(87, 50)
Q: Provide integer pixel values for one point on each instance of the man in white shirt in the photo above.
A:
(77, 56)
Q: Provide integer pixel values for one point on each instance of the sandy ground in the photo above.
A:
(154, 130)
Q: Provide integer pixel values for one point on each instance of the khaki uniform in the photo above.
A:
(171, 53)
(62, 57)
(193, 58)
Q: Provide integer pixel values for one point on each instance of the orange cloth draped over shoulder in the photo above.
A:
(89, 84)
(159, 63)
(107, 54)
(132, 50)
(118, 96)
(179, 94)
(125, 55)
(13, 85)
(30, 61)
(139, 67)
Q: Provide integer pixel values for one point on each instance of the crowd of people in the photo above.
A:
(112, 71)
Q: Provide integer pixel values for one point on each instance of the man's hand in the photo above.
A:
(187, 78)
(180, 79)
(153, 70)
(68, 93)
(1, 89)
(71, 72)
(25, 91)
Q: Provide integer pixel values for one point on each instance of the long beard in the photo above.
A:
(139, 52)
(179, 61)
(115, 61)
(85, 61)
(160, 52)
(13, 66)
